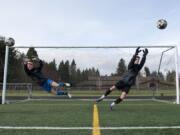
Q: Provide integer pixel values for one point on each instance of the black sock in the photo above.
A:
(118, 100)
(107, 92)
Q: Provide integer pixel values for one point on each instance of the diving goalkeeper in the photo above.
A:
(128, 79)
(34, 72)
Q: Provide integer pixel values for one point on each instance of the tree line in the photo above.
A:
(66, 70)
(169, 76)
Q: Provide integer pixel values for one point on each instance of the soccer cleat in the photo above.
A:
(100, 99)
(69, 95)
(67, 84)
(111, 106)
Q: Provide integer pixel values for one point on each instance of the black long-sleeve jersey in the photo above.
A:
(133, 69)
(35, 74)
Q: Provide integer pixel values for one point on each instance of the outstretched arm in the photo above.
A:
(131, 63)
(143, 58)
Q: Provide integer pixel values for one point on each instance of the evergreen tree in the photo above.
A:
(66, 71)
(31, 52)
(79, 75)
(52, 65)
(170, 77)
(154, 74)
(97, 73)
(73, 73)
(61, 69)
(147, 71)
(2, 56)
(121, 69)
(159, 75)
(14, 65)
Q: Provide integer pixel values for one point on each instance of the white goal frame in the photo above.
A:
(133, 46)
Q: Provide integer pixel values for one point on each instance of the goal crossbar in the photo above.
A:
(135, 46)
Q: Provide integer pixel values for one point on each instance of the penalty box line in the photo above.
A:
(89, 128)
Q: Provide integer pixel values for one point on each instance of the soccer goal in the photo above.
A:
(18, 92)
(92, 69)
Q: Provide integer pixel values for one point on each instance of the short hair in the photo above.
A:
(30, 62)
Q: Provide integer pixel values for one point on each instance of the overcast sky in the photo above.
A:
(89, 22)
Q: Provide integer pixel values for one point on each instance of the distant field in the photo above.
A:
(95, 93)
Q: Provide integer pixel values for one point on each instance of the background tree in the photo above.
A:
(157, 75)
(31, 52)
(61, 69)
(73, 72)
(64, 72)
(147, 71)
(50, 70)
(121, 69)
(161, 76)
(52, 65)
(14, 65)
(170, 76)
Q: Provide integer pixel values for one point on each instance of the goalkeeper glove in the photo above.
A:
(137, 51)
(145, 52)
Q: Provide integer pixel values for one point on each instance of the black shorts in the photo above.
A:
(121, 85)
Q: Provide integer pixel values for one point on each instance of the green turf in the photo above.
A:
(79, 114)
(45, 132)
(65, 114)
(140, 114)
(143, 132)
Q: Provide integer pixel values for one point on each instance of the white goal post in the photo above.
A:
(86, 47)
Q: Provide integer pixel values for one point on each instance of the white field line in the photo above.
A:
(163, 101)
(90, 128)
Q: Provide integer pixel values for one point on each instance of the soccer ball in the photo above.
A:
(161, 24)
(9, 41)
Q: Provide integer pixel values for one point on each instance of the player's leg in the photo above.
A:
(108, 91)
(61, 84)
(54, 84)
(125, 91)
(59, 92)
(55, 91)
(58, 89)
(119, 99)
(53, 87)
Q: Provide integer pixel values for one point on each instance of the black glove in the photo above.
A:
(137, 51)
(145, 52)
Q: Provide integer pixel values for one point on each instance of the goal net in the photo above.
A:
(92, 70)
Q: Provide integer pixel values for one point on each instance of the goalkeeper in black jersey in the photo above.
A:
(128, 79)
(34, 72)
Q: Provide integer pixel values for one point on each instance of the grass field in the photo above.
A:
(79, 114)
